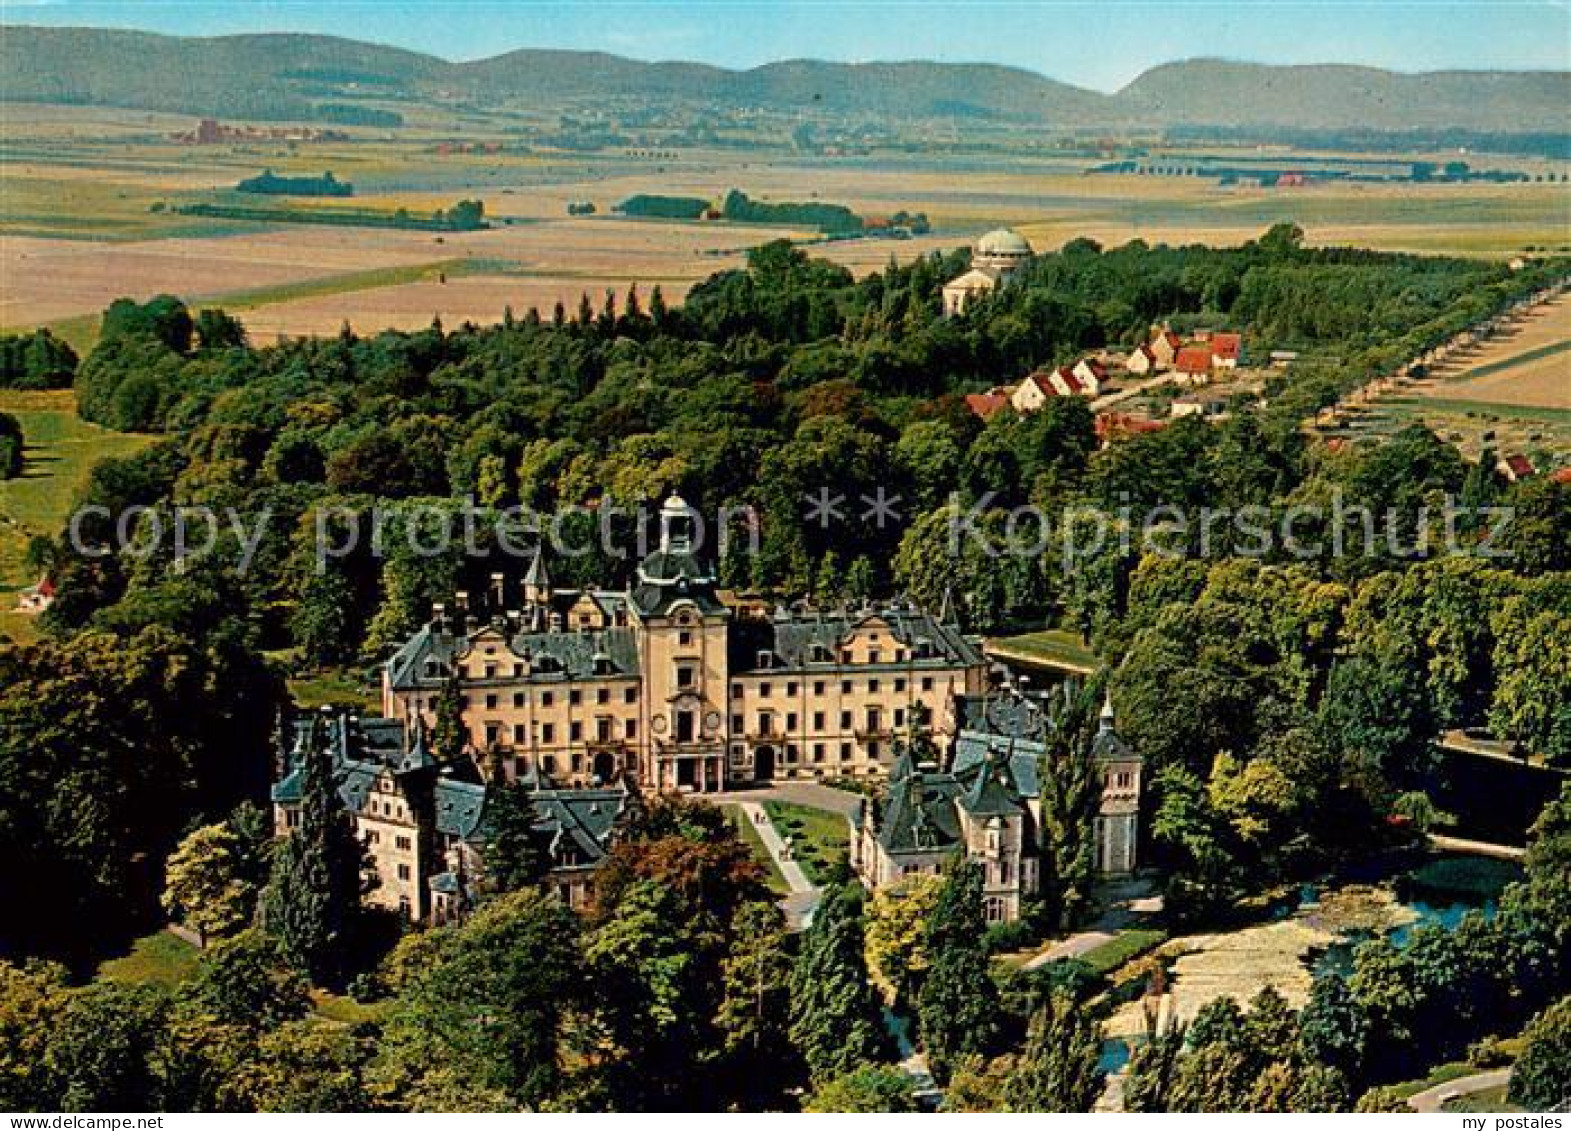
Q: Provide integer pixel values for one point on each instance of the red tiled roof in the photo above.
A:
(1225, 346)
(986, 404)
(1113, 424)
(1562, 476)
(1193, 359)
(1520, 466)
(1071, 382)
(1170, 338)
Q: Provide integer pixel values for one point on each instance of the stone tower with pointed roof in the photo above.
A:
(681, 626)
(1118, 819)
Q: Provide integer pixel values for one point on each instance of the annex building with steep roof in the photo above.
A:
(987, 804)
(424, 823)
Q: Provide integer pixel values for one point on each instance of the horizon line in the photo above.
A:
(1018, 68)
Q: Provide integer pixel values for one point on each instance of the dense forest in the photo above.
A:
(1285, 704)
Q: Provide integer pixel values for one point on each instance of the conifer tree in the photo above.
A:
(448, 734)
(1071, 794)
(1059, 1067)
(513, 857)
(957, 1007)
(312, 901)
(835, 1021)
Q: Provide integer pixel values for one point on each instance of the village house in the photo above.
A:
(1111, 426)
(1064, 383)
(1142, 362)
(987, 804)
(665, 685)
(1091, 374)
(1035, 391)
(1225, 350)
(1515, 467)
(423, 822)
(1164, 346)
(985, 405)
(997, 257)
(36, 598)
(1193, 363)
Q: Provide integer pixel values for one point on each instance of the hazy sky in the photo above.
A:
(1100, 45)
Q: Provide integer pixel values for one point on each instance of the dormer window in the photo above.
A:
(822, 655)
(766, 659)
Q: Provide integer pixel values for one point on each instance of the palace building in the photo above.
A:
(668, 686)
(988, 805)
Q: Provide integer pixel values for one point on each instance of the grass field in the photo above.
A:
(1489, 1100)
(1527, 366)
(1053, 647)
(61, 450)
(158, 959)
(818, 837)
(1122, 949)
(86, 216)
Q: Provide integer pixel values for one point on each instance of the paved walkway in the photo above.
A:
(1434, 1099)
(803, 898)
(1128, 902)
(1477, 847)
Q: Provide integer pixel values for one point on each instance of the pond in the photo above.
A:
(1440, 892)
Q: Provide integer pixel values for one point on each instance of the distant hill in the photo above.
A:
(288, 76)
(264, 77)
(1212, 92)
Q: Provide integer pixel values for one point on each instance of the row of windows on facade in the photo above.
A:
(686, 677)
(790, 752)
(605, 729)
(687, 672)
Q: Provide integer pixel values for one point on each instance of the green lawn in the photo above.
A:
(61, 450)
(1055, 647)
(343, 1009)
(755, 843)
(158, 959)
(335, 688)
(818, 837)
(1121, 949)
(1489, 1100)
(1443, 1074)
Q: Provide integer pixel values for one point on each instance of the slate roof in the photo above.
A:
(427, 658)
(801, 638)
(919, 815)
(576, 825)
(460, 808)
(668, 577)
(974, 749)
(991, 793)
(579, 823)
(362, 749)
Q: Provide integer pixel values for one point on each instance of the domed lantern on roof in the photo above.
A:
(1001, 250)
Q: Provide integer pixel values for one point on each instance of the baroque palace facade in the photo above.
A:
(667, 686)
(587, 697)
